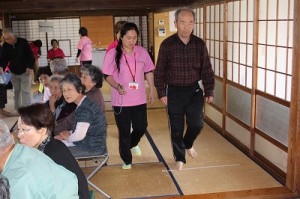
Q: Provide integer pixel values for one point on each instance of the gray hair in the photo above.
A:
(95, 74)
(56, 78)
(8, 31)
(177, 12)
(4, 187)
(5, 137)
(59, 66)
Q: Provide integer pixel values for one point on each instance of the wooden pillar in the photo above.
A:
(6, 20)
(293, 171)
(254, 74)
(225, 54)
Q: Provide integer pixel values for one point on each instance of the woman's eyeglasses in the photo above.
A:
(21, 131)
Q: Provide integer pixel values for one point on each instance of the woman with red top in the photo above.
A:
(36, 49)
(55, 52)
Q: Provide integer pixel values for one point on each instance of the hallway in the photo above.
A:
(219, 167)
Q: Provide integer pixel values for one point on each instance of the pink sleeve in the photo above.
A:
(80, 44)
(111, 46)
(109, 64)
(149, 66)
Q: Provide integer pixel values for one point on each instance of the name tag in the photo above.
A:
(133, 86)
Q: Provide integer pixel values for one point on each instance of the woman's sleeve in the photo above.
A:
(149, 66)
(109, 65)
(80, 132)
(62, 53)
(49, 54)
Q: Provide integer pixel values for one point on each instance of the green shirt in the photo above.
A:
(33, 175)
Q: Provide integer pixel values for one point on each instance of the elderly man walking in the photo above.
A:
(17, 53)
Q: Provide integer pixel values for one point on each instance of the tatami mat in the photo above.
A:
(219, 167)
(143, 180)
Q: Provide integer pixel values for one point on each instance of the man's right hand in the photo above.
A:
(164, 100)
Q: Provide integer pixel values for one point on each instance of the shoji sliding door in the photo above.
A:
(251, 45)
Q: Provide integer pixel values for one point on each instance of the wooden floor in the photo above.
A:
(219, 171)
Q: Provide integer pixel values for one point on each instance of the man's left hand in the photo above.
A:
(29, 71)
(209, 99)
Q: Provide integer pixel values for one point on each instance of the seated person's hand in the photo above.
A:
(64, 135)
(29, 71)
(53, 99)
(36, 92)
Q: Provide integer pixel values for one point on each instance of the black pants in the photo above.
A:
(135, 116)
(3, 95)
(82, 63)
(184, 102)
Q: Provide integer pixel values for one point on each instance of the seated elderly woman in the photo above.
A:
(32, 174)
(92, 79)
(89, 134)
(63, 112)
(36, 122)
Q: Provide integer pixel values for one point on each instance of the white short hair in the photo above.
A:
(59, 66)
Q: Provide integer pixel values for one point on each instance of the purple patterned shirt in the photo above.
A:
(182, 64)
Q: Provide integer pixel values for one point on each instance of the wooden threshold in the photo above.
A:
(272, 193)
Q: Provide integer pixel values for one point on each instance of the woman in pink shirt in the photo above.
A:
(84, 47)
(125, 68)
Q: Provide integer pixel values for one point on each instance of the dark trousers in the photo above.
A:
(82, 63)
(184, 102)
(125, 117)
(3, 95)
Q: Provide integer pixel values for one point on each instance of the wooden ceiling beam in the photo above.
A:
(86, 5)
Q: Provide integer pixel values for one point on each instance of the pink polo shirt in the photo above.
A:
(144, 64)
(85, 45)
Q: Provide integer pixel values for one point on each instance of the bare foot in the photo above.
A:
(178, 165)
(192, 152)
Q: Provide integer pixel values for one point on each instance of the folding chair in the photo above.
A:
(100, 160)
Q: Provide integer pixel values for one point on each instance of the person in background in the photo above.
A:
(84, 46)
(43, 74)
(63, 112)
(16, 51)
(3, 92)
(31, 173)
(4, 187)
(55, 51)
(183, 60)
(92, 79)
(36, 49)
(88, 136)
(117, 30)
(59, 66)
(125, 68)
(38, 119)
